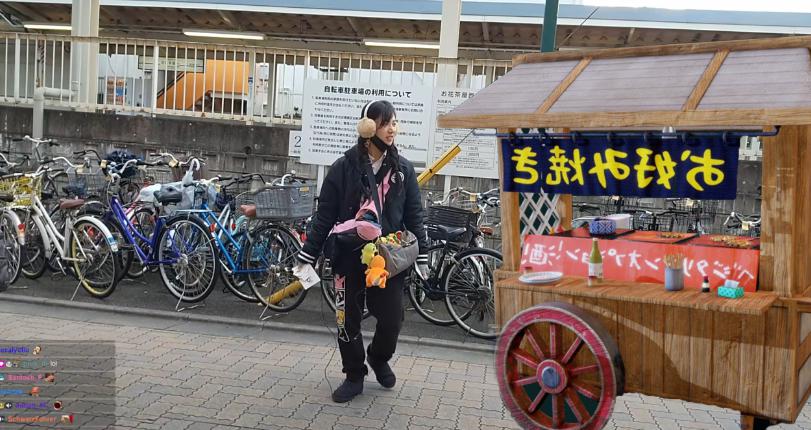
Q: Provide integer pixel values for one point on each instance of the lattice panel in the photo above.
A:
(538, 214)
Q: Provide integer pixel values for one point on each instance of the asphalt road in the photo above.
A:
(148, 292)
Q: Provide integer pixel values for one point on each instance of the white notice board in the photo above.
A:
(479, 156)
(331, 111)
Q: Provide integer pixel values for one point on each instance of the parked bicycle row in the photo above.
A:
(101, 219)
(682, 214)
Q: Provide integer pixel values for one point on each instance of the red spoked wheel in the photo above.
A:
(558, 368)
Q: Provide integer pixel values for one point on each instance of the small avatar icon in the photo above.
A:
(58, 405)
(2, 364)
(2, 377)
(2, 419)
(2, 405)
(37, 350)
(12, 364)
(49, 377)
(8, 405)
(66, 419)
(34, 392)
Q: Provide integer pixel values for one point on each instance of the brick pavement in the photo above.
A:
(191, 379)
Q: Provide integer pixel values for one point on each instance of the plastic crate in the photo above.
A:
(282, 203)
(451, 217)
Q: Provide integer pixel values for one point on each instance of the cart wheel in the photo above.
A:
(558, 368)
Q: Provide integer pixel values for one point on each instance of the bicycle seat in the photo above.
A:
(70, 203)
(5, 197)
(168, 196)
(248, 210)
(450, 234)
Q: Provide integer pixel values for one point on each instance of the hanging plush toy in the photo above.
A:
(367, 253)
(377, 274)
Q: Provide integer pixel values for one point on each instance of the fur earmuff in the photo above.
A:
(367, 128)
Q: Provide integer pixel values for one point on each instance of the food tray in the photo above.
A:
(657, 236)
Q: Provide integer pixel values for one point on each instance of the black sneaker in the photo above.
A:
(347, 391)
(383, 373)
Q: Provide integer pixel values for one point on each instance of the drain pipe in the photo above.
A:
(40, 94)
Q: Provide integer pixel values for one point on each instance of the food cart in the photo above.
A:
(568, 349)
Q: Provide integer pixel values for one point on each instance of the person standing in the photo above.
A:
(346, 188)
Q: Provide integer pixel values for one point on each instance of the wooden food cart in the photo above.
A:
(749, 354)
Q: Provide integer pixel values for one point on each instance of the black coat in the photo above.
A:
(340, 200)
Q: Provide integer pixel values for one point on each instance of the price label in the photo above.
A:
(103, 164)
(173, 163)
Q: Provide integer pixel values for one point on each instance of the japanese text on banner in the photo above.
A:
(705, 168)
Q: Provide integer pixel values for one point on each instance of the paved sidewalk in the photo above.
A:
(192, 375)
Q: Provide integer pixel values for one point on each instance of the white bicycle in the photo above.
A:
(86, 247)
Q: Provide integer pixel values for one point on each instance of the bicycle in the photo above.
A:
(86, 245)
(180, 246)
(461, 274)
(742, 225)
(274, 244)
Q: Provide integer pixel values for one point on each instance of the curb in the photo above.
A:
(181, 316)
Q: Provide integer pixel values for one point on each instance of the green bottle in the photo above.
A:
(595, 264)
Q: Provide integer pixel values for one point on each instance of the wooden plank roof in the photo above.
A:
(760, 82)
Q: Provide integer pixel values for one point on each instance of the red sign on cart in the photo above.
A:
(625, 260)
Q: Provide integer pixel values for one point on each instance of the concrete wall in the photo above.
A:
(228, 147)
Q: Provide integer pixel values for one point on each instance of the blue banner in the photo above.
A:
(699, 167)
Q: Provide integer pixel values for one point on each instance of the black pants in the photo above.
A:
(385, 304)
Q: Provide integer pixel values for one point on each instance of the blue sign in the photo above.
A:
(698, 167)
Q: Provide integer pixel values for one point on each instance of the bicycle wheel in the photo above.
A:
(143, 222)
(32, 254)
(470, 291)
(8, 228)
(272, 253)
(125, 250)
(324, 269)
(93, 260)
(236, 283)
(187, 244)
(428, 297)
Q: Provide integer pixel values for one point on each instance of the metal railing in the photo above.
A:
(243, 83)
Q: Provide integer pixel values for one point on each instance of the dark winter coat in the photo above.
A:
(340, 201)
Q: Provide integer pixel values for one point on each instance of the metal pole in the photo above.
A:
(550, 26)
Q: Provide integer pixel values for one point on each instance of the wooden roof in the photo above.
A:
(760, 82)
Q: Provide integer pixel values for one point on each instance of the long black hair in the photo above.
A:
(382, 112)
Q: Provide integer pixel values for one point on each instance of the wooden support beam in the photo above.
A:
(786, 208)
(510, 221)
(563, 85)
(485, 32)
(706, 79)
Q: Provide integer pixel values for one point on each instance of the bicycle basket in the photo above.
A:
(284, 202)
(160, 175)
(451, 217)
(24, 188)
(85, 183)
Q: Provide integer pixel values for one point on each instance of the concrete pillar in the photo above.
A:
(447, 69)
(449, 42)
(84, 55)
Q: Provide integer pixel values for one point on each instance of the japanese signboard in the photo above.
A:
(332, 110)
(702, 168)
(479, 156)
(626, 260)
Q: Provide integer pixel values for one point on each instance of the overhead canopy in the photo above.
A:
(741, 83)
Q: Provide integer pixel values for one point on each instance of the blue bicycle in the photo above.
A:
(256, 256)
(180, 245)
